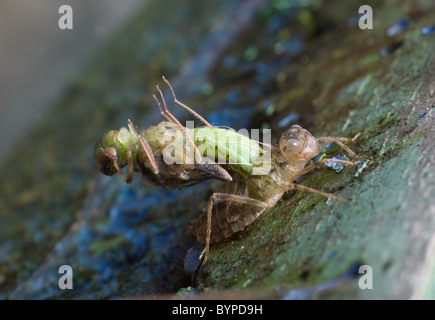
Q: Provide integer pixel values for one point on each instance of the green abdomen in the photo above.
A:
(227, 147)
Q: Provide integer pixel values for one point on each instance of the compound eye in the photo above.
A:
(105, 160)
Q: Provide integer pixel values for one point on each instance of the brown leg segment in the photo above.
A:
(146, 147)
(225, 197)
(319, 163)
(129, 178)
(172, 119)
(161, 110)
(184, 106)
(324, 141)
(315, 191)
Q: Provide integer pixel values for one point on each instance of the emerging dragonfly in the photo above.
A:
(247, 196)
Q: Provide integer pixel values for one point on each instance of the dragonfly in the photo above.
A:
(247, 196)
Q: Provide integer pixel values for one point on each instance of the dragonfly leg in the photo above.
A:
(319, 163)
(129, 178)
(146, 147)
(169, 116)
(129, 166)
(162, 112)
(225, 197)
(324, 141)
(186, 107)
(315, 191)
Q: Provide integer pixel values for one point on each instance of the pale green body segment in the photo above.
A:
(228, 147)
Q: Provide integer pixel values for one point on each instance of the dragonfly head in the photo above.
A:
(106, 159)
(113, 146)
(297, 144)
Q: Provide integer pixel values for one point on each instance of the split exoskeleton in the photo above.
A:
(247, 195)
